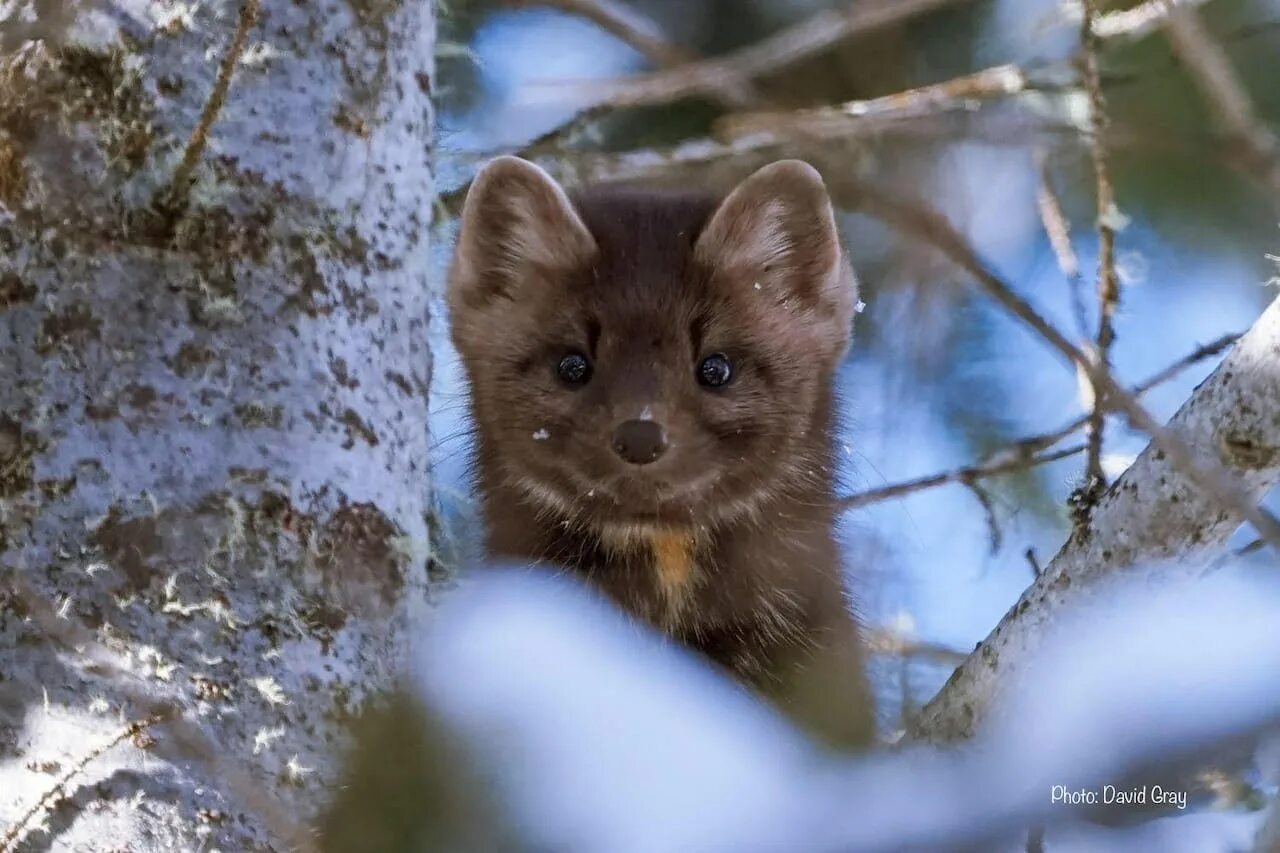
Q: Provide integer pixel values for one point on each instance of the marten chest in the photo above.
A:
(733, 594)
(750, 616)
(655, 574)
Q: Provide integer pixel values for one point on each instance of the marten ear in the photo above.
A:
(776, 230)
(517, 222)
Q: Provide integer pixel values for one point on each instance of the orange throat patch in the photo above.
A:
(672, 561)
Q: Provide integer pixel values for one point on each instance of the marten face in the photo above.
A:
(643, 361)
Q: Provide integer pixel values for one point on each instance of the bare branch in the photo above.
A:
(1199, 354)
(886, 641)
(905, 113)
(1034, 562)
(1058, 231)
(790, 45)
(1226, 95)
(1213, 348)
(1125, 24)
(811, 36)
(1108, 281)
(807, 38)
(957, 93)
(988, 509)
(644, 36)
(624, 23)
(557, 138)
(968, 475)
(739, 154)
(1140, 21)
(641, 34)
(631, 165)
(1154, 513)
(1022, 454)
(1207, 472)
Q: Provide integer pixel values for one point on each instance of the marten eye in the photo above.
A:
(574, 369)
(715, 370)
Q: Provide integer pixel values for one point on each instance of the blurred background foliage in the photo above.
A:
(939, 375)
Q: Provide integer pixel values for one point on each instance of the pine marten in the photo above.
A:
(651, 382)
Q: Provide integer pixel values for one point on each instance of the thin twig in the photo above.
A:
(1260, 149)
(773, 53)
(1125, 25)
(1225, 94)
(966, 475)
(988, 509)
(644, 36)
(1108, 281)
(1034, 562)
(790, 45)
(1058, 230)
(1199, 354)
(956, 93)
(807, 38)
(919, 219)
(1141, 20)
(898, 113)
(887, 641)
(562, 135)
(1040, 442)
(1021, 454)
(14, 833)
(1159, 517)
(650, 164)
(1226, 559)
(625, 24)
(824, 124)
(174, 196)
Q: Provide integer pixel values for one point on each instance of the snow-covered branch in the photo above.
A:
(601, 737)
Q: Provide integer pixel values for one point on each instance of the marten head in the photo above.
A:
(640, 360)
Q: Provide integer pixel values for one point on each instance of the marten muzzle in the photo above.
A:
(639, 442)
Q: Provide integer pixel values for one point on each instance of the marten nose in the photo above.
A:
(639, 442)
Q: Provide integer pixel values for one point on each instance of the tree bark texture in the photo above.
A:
(213, 404)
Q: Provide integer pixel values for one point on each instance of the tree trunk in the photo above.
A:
(213, 409)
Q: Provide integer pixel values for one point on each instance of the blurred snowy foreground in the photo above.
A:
(597, 736)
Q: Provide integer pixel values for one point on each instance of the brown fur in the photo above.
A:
(727, 541)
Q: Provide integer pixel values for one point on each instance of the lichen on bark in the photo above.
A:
(166, 481)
